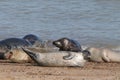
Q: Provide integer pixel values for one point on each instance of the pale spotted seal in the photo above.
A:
(56, 58)
(103, 55)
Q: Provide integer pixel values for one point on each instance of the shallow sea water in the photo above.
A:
(91, 22)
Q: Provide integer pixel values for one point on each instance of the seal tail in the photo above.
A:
(30, 53)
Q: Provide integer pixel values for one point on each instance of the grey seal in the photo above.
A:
(103, 55)
(56, 58)
(12, 43)
(66, 44)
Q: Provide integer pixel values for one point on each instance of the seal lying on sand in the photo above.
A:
(66, 44)
(11, 43)
(19, 56)
(56, 58)
(103, 55)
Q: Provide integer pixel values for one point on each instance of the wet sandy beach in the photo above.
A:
(27, 71)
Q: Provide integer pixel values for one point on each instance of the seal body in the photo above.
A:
(103, 55)
(66, 44)
(56, 58)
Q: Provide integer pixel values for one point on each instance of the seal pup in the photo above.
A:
(66, 44)
(103, 55)
(56, 58)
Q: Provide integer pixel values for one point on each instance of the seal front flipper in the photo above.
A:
(30, 53)
(69, 56)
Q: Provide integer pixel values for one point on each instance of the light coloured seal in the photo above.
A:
(19, 56)
(103, 55)
(59, 58)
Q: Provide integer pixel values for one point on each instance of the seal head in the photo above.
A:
(66, 44)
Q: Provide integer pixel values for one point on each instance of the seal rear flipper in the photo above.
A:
(105, 58)
(69, 56)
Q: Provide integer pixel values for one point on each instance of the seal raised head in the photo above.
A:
(66, 44)
(103, 55)
(56, 58)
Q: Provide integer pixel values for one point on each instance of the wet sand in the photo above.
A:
(27, 71)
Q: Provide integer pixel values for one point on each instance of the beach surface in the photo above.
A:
(28, 71)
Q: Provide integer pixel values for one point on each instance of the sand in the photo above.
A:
(28, 71)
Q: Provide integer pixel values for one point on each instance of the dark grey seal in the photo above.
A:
(66, 44)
